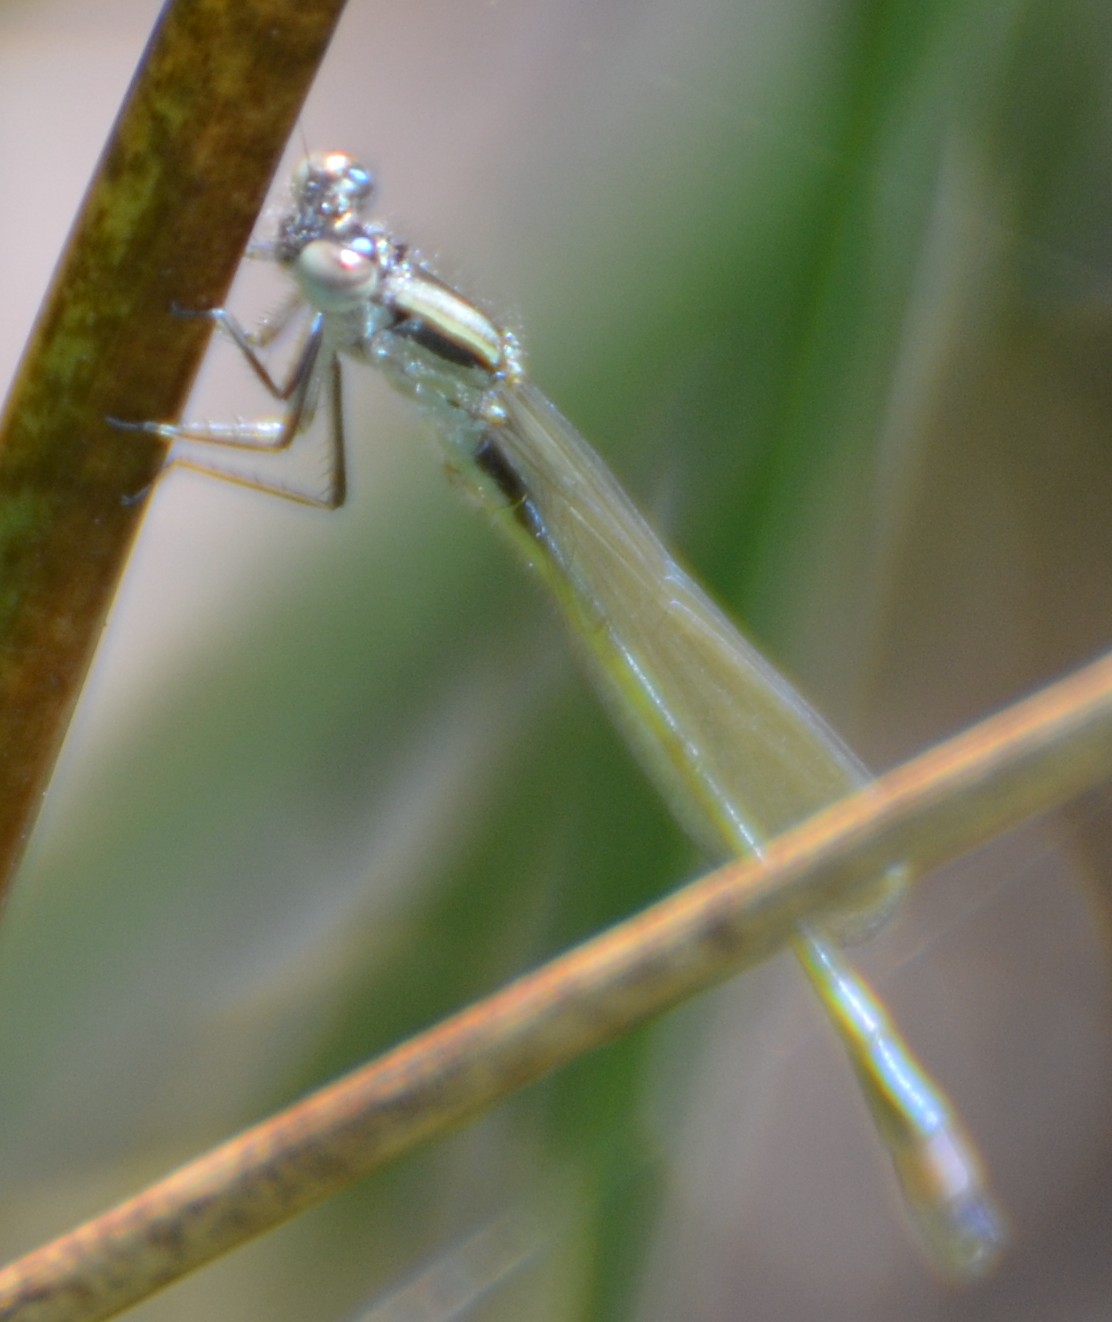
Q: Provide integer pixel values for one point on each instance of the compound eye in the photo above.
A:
(328, 164)
(335, 276)
(323, 167)
(333, 182)
(357, 183)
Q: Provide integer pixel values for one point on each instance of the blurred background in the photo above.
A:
(830, 287)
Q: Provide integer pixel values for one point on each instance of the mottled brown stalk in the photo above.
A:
(1025, 760)
(165, 220)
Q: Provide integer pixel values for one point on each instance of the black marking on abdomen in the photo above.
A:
(491, 459)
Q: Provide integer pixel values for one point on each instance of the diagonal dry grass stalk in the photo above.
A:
(1029, 758)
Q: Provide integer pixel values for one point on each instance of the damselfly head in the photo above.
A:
(331, 193)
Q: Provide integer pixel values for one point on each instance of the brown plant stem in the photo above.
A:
(164, 221)
(1029, 758)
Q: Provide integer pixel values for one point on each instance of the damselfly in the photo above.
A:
(736, 752)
